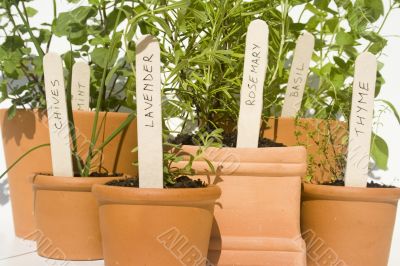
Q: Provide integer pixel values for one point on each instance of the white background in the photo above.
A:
(389, 130)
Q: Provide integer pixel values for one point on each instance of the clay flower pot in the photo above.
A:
(325, 141)
(29, 128)
(142, 226)
(348, 226)
(257, 219)
(67, 220)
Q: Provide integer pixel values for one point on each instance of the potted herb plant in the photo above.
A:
(352, 220)
(90, 29)
(24, 124)
(267, 178)
(161, 217)
(65, 193)
(206, 82)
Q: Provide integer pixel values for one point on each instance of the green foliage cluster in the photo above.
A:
(202, 46)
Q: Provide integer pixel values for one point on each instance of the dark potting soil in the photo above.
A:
(181, 182)
(229, 140)
(371, 184)
(94, 174)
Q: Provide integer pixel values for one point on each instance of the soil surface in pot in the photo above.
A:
(181, 182)
(371, 184)
(229, 140)
(94, 174)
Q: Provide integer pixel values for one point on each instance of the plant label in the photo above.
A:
(251, 93)
(149, 120)
(298, 75)
(360, 130)
(57, 115)
(394, 258)
(80, 86)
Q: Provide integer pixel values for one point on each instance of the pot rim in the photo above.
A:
(155, 196)
(243, 155)
(62, 183)
(341, 193)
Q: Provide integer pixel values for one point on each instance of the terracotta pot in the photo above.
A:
(29, 128)
(257, 219)
(155, 226)
(67, 219)
(348, 226)
(325, 141)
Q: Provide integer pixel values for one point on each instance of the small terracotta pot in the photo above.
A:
(67, 220)
(325, 141)
(257, 219)
(29, 128)
(155, 226)
(348, 226)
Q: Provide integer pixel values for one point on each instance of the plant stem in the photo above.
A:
(285, 5)
(117, 131)
(22, 157)
(51, 32)
(34, 40)
(100, 98)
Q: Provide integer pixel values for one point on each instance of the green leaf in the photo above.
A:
(73, 21)
(331, 24)
(99, 57)
(112, 17)
(44, 36)
(94, 2)
(11, 112)
(13, 43)
(377, 47)
(322, 4)
(379, 152)
(31, 11)
(3, 90)
(69, 59)
(344, 38)
(372, 10)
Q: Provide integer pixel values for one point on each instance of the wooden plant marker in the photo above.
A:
(149, 120)
(251, 93)
(57, 115)
(80, 86)
(394, 258)
(298, 75)
(362, 109)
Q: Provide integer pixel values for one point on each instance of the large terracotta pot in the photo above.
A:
(348, 226)
(155, 226)
(29, 128)
(67, 219)
(257, 219)
(325, 141)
